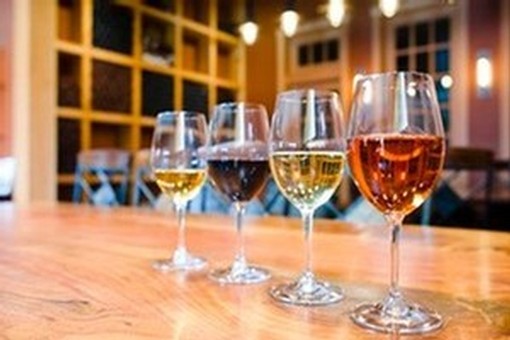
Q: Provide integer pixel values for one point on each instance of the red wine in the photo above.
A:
(238, 179)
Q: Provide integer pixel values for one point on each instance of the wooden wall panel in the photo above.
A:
(484, 33)
(5, 93)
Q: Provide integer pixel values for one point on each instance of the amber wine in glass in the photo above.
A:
(395, 153)
(179, 166)
(307, 162)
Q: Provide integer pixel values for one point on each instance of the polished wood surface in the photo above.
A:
(82, 272)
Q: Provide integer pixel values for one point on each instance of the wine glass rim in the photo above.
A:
(320, 94)
(416, 74)
(234, 104)
(186, 113)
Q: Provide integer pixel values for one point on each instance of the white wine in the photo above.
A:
(307, 178)
(180, 185)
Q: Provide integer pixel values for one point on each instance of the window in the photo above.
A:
(425, 47)
(318, 52)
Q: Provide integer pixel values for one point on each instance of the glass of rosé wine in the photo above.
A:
(395, 152)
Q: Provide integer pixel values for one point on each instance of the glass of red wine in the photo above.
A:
(395, 152)
(238, 168)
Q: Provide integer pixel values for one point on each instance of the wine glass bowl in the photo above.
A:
(179, 167)
(307, 161)
(395, 153)
(238, 168)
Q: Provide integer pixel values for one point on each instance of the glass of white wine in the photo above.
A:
(306, 153)
(178, 161)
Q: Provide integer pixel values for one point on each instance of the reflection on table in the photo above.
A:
(74, 270)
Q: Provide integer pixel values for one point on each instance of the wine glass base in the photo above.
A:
(248, 275)
(190, 263)
(413, 319)
(307, 291)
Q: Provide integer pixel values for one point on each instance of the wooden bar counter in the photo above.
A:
(77, 272)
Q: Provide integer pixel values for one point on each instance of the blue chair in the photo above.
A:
(101, 177)
(209, 201)
(274, 203)
(143, 190)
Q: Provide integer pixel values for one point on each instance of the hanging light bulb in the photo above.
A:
(336, 12)
(249, 32)
(389, 7)
(289, 22)
(289, 19)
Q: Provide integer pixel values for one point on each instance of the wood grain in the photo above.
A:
(81, 272)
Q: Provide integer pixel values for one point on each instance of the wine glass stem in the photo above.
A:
(307, 217)
(181, 220)
(240, 207)
(396, 225)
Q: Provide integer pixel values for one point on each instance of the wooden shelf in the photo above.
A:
(167, 55)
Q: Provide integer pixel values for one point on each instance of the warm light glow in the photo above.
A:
(389, 7)
(446, 81)
(289, 22)
(484, 72)
(336, 12)
(249, 31)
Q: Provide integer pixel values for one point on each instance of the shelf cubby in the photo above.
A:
(111, 87)
(227, 56)
(225, 95)
(195, 52)
(113, 27)
(110, 136)
(69, 80)
(162, 5)
(197, 11)
(195, 96)
(157, 93)
(69, 20)
(68, 135)
(158, 41)
(146, 137)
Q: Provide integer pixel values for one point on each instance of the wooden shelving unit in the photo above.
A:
(120, 62)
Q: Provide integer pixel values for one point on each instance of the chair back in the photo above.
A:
(101, 176)
(7, 175)
(142, 191)
(467, 176)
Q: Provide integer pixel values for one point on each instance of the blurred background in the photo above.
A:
(86, 75)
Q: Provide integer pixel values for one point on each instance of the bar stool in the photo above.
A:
(101, 177)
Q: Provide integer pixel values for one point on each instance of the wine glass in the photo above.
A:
(307, 161)
(238, 168)
(179, 166)
(395, 153)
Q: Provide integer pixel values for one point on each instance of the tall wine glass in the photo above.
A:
(307, 162)
(395, 153)
(238, 168)
(179, 166)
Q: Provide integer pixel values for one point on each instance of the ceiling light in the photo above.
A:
(249, 29)
(249, 32)
(289, 22)
(389, 7)
(336, 12)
